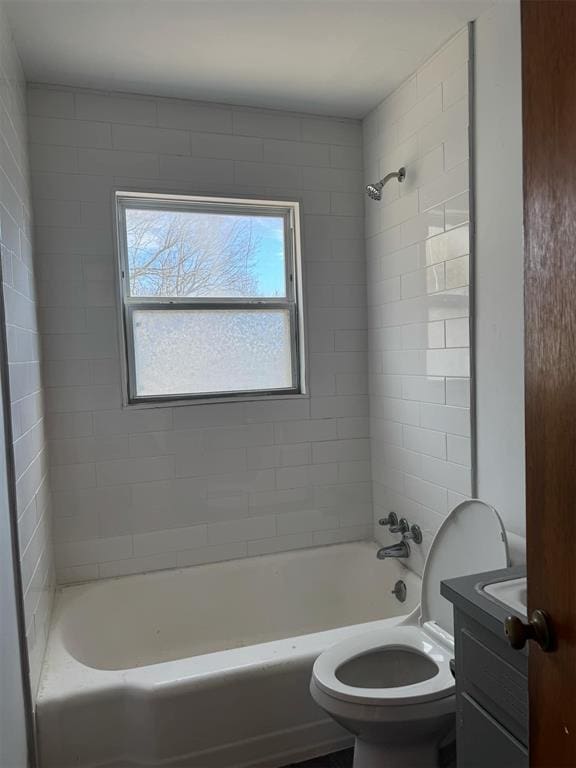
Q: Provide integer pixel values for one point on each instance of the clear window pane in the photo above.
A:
(180, 352)
(199, 254)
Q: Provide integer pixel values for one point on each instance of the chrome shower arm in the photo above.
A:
(400, 174)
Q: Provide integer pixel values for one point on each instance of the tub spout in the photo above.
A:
(401, 549)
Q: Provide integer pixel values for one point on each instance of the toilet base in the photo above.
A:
(372, 755)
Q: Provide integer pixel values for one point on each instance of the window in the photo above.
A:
(211, 297)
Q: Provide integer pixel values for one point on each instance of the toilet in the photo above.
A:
(393, 687)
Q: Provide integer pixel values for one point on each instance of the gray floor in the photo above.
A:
(337, 760)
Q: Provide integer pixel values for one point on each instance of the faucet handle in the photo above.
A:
(412, 532)
(402, 527)
(390, 520)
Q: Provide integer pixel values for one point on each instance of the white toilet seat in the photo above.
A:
(410, 637)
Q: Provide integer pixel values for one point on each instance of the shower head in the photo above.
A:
(374, 191)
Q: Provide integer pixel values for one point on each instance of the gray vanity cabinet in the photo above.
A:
(491, 678)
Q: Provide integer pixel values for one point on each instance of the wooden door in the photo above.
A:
(549, 135)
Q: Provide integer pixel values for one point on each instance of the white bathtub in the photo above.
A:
(207, 667)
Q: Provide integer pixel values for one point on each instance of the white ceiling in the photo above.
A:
(336, 57)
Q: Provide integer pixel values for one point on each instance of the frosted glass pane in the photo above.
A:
(191, 254)
(195, 351)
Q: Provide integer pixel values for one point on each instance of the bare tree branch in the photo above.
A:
(175, 253)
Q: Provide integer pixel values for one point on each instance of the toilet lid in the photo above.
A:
(471, 540)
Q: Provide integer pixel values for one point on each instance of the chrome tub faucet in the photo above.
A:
(401, 549)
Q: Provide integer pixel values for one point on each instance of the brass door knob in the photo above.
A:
(537, 628)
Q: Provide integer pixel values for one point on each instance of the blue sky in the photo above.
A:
(270, 255)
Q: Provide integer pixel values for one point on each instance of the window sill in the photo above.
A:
(257, 398)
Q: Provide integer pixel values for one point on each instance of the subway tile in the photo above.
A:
(165, 141)
(50, 102)
(266, 174)
(197, 170)
(455, 87)
(195, 117)
(126, 471)
(448, 362)
(425, 389)
(126, 422)
(93, 551)
(454, 118)
(137, 565)
(422, 113)
(341, 450)
(296, 152)
(266, 124)
(199, 463)
(452, 476)
(449, 245)
(277, 410)
(450, 184)
(242, 530)
(279, 501)
(458, 333)
(279, 456)
(331, 179)
(158, 542)
(226, 146)
(430, 495)
(425, 441)
(307, 520)
(351, 427)
(445, 418)
(238, 437)
(109, 162)
(459, 450)
(456, 149)
(457, 272)
(69, 133)
(345, 156)
(302, 477)
(115, 109)
(458, 392)
(347, 133)
(423, 335)
(306, 431)
(443, 63)
(457, 211)
(217, 414)
(354, 472)
(50, 158)
(212, 554)
(280, 544)
(342, 535)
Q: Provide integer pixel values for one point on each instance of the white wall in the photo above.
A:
(500, 264)
(138, 490)
(418, 263)
(33, 497)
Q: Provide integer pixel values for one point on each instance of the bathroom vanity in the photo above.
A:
(491, 677)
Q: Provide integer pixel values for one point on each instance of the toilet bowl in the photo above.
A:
(393, 688)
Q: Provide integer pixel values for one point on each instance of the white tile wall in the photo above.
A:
(417, 260)
(26, 401)
(145, 489)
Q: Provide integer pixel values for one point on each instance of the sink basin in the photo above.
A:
(511, 593)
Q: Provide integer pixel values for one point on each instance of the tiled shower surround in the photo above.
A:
(152, 488)
(136, 490)
(26, 400)
(417, 250)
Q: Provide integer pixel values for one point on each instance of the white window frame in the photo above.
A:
(293, 302)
